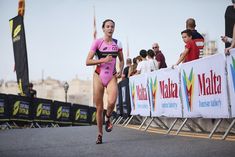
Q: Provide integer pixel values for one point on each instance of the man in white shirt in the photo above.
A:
(143, 66)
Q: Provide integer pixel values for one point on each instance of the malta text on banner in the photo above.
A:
(164, 90)
(138, 86)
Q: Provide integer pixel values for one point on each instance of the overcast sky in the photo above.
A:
(59, 33)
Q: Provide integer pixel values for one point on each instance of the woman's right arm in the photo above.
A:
(91, 61)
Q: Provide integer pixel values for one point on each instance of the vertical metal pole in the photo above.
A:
(65, 96)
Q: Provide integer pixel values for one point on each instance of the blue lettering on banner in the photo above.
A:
(169, 105)
(211, 103)
(142, 106)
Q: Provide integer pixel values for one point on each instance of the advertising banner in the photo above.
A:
(164, 94)
(80, 114)
(138, 85)
(4, 108)
(119, 107)
(20, 108)
(42, 110)
(125, 97)
(20, 54)
(62, 112)
(231, 79)
(203, 85)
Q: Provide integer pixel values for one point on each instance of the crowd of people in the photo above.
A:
(154, 59)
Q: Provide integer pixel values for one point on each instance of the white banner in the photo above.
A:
(203, 85)
(138, 85)
(231, 79)
(164, 93)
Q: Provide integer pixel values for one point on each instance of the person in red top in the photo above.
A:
(191, 51)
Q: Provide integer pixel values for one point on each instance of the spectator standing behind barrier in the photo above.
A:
(229, 28)
(191, 51)
(153, 63)
(229, 25)
(232, 44)
(32, 92)
(126, 69)
(132, 69)
(105, 76)
(159, 56)
(197, 37)
(143, 66)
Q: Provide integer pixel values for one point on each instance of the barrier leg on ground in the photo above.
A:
(129, 120)
(6, 125)
(199, 127)
(114, 120)
(157, 123)
(215, 128)
(146, 128)
(139, 118)
(163, 124)
(117, 120)
(37, 125)
(228, 130)
(172, 126)
(143, 123)
(182, 125)
(190, 128)
(125, 121)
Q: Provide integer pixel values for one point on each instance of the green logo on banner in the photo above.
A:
(77, 115)
(94, 117)
(16, 107)
(59, 112)
(39, 110)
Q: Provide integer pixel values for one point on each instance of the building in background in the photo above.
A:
(79, 91)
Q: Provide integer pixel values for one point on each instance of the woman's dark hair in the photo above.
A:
(150, 53)
(107, 20)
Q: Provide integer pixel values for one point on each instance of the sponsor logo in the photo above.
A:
(153, 86)
(188, 85)
(168, 89)
(232, 68)
(209, 85)
(141, 92)
(133, 95)
(94, 117)
(43, 110)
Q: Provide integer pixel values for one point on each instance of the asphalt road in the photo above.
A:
(121, 142)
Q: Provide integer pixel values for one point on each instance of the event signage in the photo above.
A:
(164, 93)
(138, 85)
(231, 79)
(203, 85)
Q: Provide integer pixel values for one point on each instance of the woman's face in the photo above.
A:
(108, 28)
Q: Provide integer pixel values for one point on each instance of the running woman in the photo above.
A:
(106, 50)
